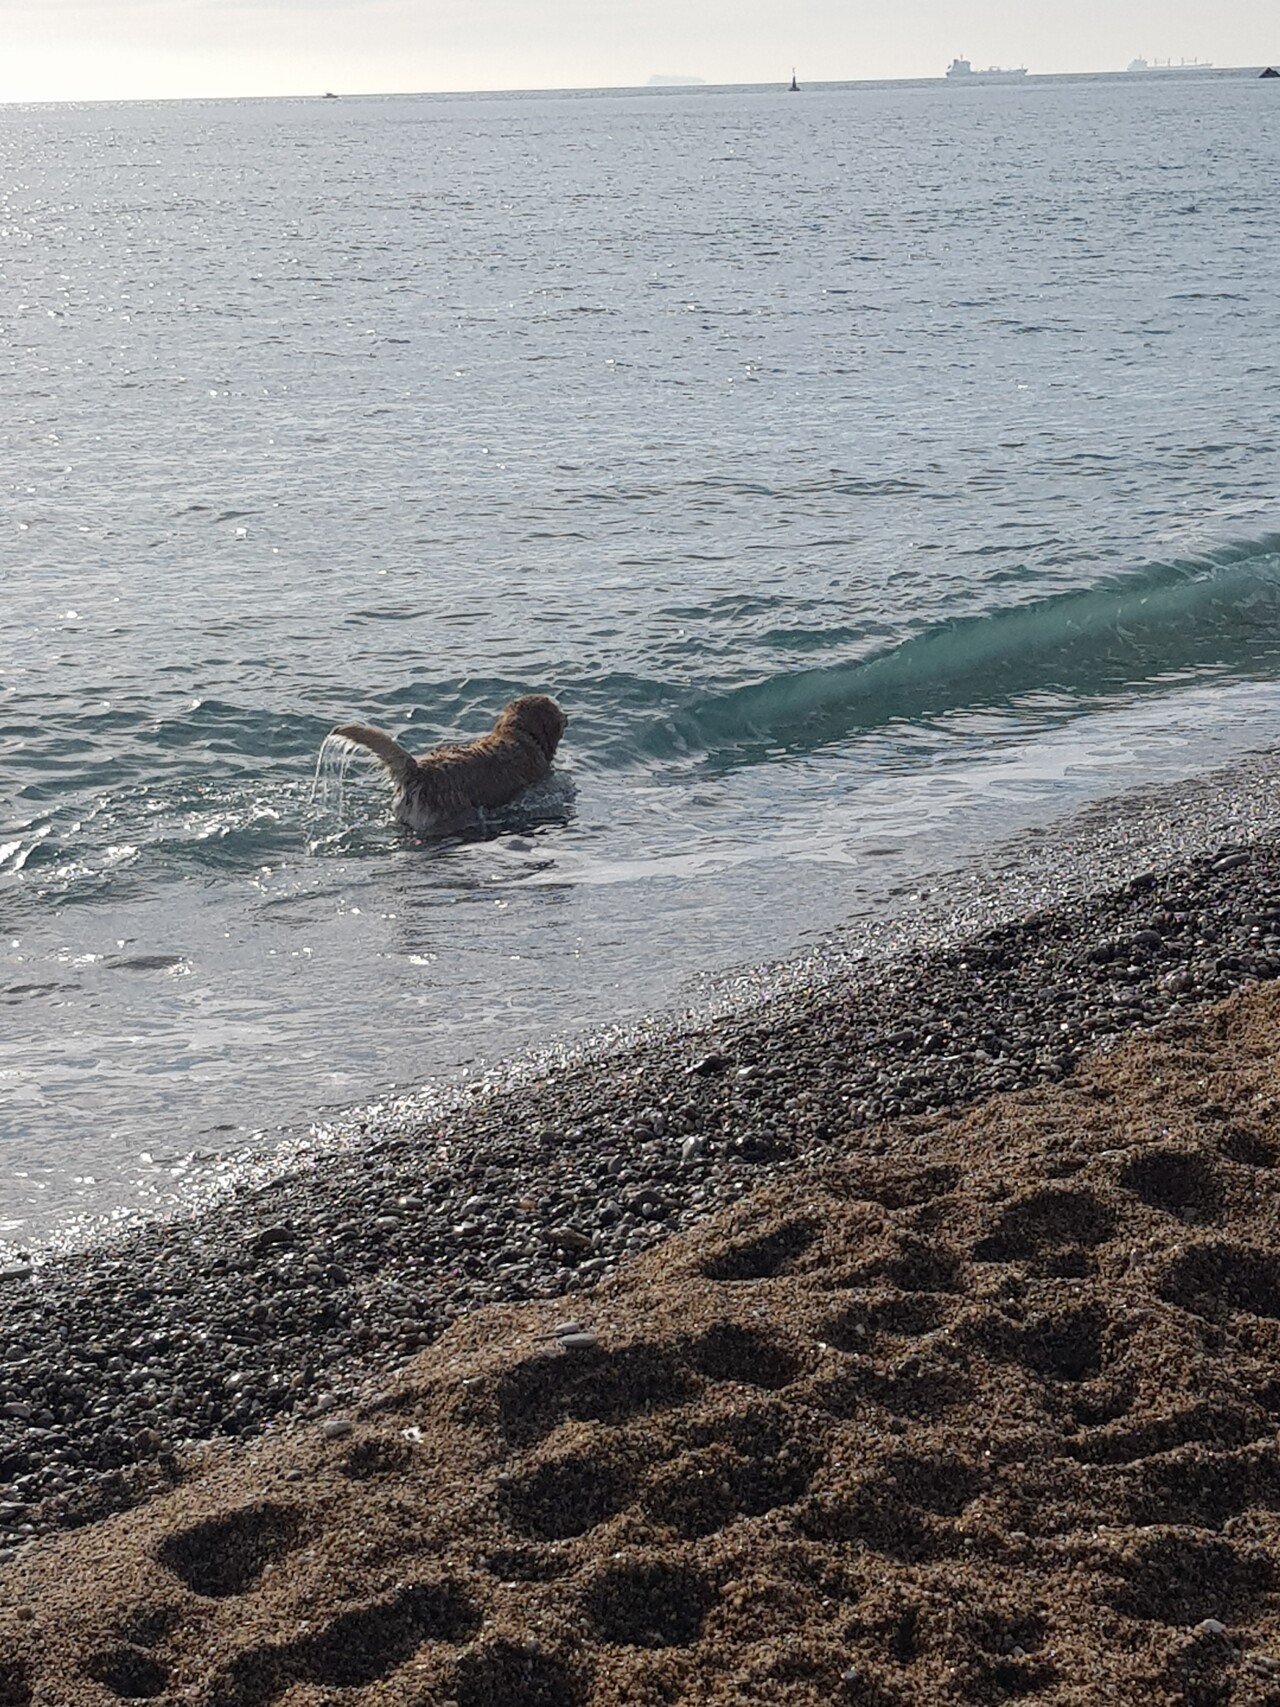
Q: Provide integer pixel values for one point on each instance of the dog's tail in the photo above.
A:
(400, 763)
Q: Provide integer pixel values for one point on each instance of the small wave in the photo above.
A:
(128, 841)
(147, 963)
(226, 729)
(15, 855)
(1215, 615)
(13, 994)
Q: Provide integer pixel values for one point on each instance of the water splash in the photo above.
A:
(329, 784)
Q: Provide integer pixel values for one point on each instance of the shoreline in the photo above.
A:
(1098, 845)
(282, 1298)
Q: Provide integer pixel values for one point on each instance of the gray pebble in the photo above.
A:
(271, 1238)
(570, 1238)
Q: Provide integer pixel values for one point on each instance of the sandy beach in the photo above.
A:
(910, 1337)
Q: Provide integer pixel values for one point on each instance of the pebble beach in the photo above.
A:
(912, 1329)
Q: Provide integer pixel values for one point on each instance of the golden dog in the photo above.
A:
(444, 789)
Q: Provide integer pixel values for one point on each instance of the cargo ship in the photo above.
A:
(960, 71)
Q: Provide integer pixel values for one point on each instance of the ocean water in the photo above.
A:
(870, 473)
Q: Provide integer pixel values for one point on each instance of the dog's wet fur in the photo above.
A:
(446, 789)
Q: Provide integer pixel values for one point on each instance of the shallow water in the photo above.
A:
(870, 475)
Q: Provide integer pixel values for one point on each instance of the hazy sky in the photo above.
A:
(103, 49)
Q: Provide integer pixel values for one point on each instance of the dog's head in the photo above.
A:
(538, 717)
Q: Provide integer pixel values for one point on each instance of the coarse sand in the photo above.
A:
(984, 1411)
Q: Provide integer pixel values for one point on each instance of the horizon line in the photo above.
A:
(650, 89)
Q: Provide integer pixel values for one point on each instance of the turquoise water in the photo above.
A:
(869, 474)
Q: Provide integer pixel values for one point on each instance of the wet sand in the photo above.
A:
(929, 1330)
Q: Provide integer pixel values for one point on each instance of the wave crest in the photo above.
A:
(1120, 637)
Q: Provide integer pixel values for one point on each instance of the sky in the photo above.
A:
(54, 50)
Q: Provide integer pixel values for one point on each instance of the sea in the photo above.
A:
(873, 473)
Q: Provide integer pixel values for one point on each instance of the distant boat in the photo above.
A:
(328, 95)
(795, 87)
(1269, 72)
(1139, 67)
(960, 71)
